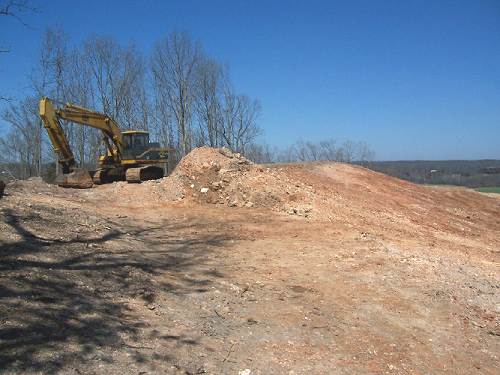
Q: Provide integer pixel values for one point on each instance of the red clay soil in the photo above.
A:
(227, 267)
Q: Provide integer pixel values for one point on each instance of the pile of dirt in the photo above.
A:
(334, 192)
(31, 184)
(220, 176)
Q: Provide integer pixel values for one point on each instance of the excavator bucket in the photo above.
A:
(79, 179)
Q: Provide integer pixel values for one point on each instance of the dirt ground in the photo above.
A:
(299, 269)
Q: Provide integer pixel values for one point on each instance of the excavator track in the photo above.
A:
(149, 172)
(108, 175)
(99, 176)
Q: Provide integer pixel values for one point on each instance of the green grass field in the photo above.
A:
(489, 189)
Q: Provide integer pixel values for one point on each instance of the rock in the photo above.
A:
(215, 166)
(249, 204)
(204, 190)
(226, 152)
(227, 170)
(246, 371)
(217, 185)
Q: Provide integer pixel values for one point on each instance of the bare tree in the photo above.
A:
(347, 152)
(49, 75)
(364, 152)
(207, 104)
(13, 9)
(239, 119)
(174, 65)
(261, 153)
(116, 78)
(78, 89)
(118, 73)
(326, 150)
(24, 136)
(246, 122)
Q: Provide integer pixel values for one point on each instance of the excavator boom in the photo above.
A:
(70, 112)
(56, 135)
(70, 176)
(96, 120)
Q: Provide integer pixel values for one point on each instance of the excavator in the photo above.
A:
(130, 155)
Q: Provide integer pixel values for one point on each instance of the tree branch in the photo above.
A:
(12, 8)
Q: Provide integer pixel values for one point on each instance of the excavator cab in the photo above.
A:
(135, 142)
(136, 146)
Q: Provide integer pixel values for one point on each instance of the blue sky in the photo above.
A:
(414, 79)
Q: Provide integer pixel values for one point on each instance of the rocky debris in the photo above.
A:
(299, 210)
(36, 185)
(2, 187)
(220, 176)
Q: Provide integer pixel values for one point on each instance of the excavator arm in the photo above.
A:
(70, 112)
(56, 135)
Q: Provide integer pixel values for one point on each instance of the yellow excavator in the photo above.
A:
(130, 156)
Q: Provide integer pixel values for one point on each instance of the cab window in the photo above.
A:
(127, 142)
(140, 140)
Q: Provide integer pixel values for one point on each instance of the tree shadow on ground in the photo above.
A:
(62, 297)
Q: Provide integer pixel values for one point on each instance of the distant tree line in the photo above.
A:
(305, 151)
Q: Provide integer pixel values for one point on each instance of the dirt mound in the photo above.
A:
(201, 169)
(334, 192)
(31, 184)
(220, 160)
(220, 176)
(322, 191)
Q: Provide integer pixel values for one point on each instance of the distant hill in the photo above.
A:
(470, 173)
